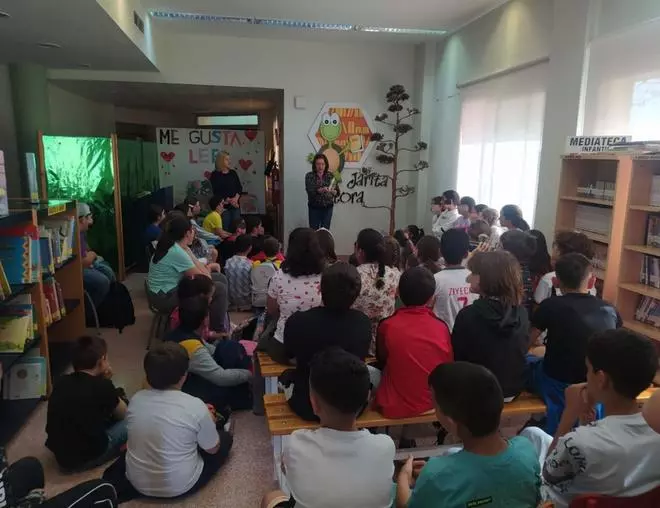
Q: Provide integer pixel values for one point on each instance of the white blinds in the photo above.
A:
(501, 127)
(623, 84)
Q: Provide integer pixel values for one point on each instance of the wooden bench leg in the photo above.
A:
(271, 385)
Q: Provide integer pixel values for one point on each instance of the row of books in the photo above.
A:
(599, 260)
(650, 271)
(654, 198)
(648, 311)
(653, 231)
(597, 190)
(27, 251)
(593, 219)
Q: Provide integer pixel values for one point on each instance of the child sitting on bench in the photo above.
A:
(618, 455)
(337, 465)
(489, 471)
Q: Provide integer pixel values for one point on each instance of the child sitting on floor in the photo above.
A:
(489, 471)
(218, 374)
(263, 271)
(237, 270)
(189, 287)
(337, 465)
(618, 455)
(174, 447)
(409, 345)
(570, 320)
(85, 422)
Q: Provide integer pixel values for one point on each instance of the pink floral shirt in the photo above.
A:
(377, 304)
(293, 294)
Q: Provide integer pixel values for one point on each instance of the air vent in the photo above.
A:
(138, 22)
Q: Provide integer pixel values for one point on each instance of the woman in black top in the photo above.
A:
(333, 325)
(494, 330)
(226, 185)
(320, 193)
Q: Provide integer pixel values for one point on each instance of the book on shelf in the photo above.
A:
(649, 274)
(648, 311)
(4, 198)
(31, 169)
(46, 250)
(593, 219)
(599, 261)
(62, 231)
(50, 292)
(18, 324)
(27, 378)
(16, 258)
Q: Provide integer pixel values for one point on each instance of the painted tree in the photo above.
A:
(389, 147)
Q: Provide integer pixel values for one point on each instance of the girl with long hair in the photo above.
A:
(511, 217)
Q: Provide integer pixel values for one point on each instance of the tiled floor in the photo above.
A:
(241, 483)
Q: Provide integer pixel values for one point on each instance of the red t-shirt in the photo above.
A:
(415, 342)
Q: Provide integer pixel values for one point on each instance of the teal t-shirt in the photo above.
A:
(164, 276)
(465, 480)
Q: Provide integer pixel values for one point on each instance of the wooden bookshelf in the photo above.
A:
(632, 175)
(14, 413)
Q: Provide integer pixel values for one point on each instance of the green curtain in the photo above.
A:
(81, 169)
(138, 167)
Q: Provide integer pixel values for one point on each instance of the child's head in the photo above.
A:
(468, 399)
(340, 286)
(401, 237)
(370, 248)
(254, 225)
(238, 227)
(412, 261)
(166, 366)
(339, 385)
(620, 364)
(271, 246)
(437, 206)
(428, 252)
(479, 209)
(243, 245)
(491, 216)
(454, 246)
(511, 217)
(540, 263)
(156, 213)
(192, 312)
(450, 200)
(90, 353)
(572, 241)
(416, 287)
(497, 275)
(197, 285)
(327, 243)
(216, 204)
(574, 273)
(392, 253)
(467, 206)
(479, 230)
(522, 245)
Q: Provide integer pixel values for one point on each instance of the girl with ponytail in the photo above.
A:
(511, 217)
(379, 282)
(523, 246)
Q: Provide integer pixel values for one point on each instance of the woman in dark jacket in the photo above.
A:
(227, 185)
(320, 193)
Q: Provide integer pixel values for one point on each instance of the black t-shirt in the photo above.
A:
(570, 320)
(79, 411)
(226, 185)
(309, 332)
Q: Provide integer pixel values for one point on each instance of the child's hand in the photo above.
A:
(213, 267)
(578, 404)
(406, 472)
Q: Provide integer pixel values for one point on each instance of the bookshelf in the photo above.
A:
(627, 278)
(50, 331)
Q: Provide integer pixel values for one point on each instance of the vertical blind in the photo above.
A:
(623, 84)
(500, 142)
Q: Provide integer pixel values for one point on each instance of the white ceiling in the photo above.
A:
(420, 14)
(84, 30)
(175, 98)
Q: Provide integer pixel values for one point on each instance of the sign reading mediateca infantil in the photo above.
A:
(577, 144)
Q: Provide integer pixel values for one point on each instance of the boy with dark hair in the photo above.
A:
(566, 242)
(219, 373)
(409, 345)
(445, 212)
(174, 446)
(255, 229)
(270, 254)
(452, 290)
(156, 215)
(337, 465)
(569, 319)
(335, 324)
(263, 271)
(85, 422)
(618, 455)
(489, 470)
(213, 221)
(237, 270)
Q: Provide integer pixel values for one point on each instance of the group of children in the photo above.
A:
(451, 323)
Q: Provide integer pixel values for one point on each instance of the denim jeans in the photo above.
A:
(97, 284)
(320, 217)
(229, 216)
(104, 267)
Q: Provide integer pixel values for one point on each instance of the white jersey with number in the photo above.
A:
(452, 293)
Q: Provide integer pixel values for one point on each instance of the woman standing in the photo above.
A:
(320, 193)
(227, 186)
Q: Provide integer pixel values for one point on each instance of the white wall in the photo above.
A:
(8, 134)
(617, 15)
(321, 72)
(73, 115)
(513, 35)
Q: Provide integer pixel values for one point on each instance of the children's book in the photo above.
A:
(4, 198)
(33, 185)
(26, 379)
(653, 231)
(16, 257)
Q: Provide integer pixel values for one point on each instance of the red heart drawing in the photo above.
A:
(250, 134)
(245, 164)
(207, 175)
(167, 156)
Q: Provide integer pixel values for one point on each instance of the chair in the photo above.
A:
(159, 321)
(650, 499)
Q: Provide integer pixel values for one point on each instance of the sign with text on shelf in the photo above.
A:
(587, 144)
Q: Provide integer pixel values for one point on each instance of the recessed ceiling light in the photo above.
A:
(49, 45)
(4, 14)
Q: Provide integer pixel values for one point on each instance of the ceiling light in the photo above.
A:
(292, 23)
(49, 45)
(4, 14)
